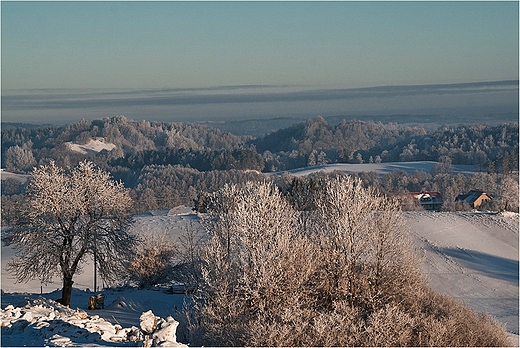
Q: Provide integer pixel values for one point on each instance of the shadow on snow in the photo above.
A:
(493, 266)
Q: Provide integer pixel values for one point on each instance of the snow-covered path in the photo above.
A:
(472, 257)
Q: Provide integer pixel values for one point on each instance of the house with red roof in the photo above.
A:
(428, 200)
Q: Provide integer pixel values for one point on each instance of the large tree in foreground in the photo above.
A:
(69, 214)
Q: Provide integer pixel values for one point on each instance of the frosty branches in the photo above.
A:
(66, 216)
(271, 267)
(332, 268)
(152, 263)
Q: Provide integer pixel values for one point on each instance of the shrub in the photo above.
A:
(341, 274)
(153, 262)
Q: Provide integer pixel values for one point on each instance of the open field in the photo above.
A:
(380, 168)
(473, 257)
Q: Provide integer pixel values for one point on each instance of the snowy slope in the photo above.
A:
(4, 174)
(379, 168)
(171, 222)
(473, 257)
(470, 256)
(93, 146)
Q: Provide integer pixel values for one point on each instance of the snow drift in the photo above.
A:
(44, 322)
(94, 146)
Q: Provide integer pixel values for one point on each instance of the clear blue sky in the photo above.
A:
(143, 45)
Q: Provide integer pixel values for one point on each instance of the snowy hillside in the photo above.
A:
(470, 256)
(93, 146)
(4, 174)
(473, 257)
(172, 222)
(380, 168)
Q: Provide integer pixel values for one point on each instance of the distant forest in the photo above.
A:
(166, 164)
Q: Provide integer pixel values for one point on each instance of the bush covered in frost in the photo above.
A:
(338, 273)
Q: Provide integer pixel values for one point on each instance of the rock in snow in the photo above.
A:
(148, 322)
(43, 322)
(158, 332)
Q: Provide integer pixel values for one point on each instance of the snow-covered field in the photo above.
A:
(471, 256)
(381, 168)
(93, 146)
(45, 323)
(4, 174)
(170, 222)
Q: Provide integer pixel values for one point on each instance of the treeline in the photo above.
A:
(502, 187)
(164, 187)
(22, 148)
(157, 187)
(315, 142)
(310, 143)
(202, 160)
(166, 164)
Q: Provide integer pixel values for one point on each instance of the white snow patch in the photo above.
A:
(43, 322)
(40, 321)
(379, 168)
(94, 146)
(4, 175)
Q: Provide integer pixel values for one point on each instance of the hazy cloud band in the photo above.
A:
(81, 99)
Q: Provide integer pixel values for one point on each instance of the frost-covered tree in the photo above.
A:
(271, 272)
(508, 193)
(67, 216)
(341, 272)
(19, 158)
(255, 264)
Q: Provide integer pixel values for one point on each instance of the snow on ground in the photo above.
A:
(40, 321)
(30, 317)
(4, 174)
(93, 146)
(379, 168)
(172, 223)
(471, 256)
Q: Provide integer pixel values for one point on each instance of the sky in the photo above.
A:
(186, 48)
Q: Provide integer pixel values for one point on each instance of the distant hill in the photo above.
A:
(254, 127)
(262, 127)
(14, 125)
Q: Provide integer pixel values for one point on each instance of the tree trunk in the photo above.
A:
(66, 292)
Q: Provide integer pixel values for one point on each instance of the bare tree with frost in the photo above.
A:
(340, 272)
(69, 214)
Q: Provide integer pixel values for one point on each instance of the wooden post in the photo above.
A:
(95, 272)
